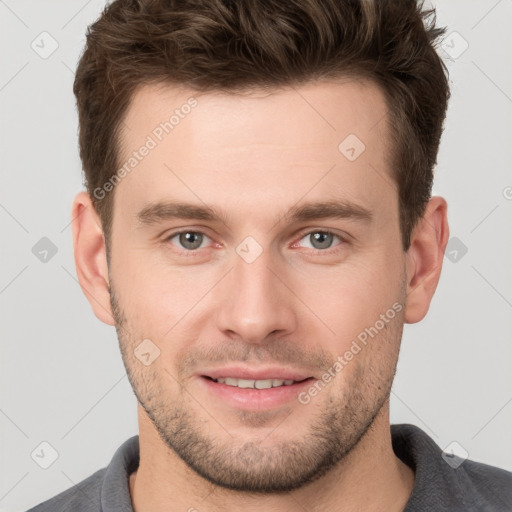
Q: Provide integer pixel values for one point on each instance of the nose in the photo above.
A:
(255, 303)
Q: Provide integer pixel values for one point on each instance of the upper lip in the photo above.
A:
(238, 372)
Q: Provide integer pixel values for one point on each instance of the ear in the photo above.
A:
(424, 259)
(90, 257)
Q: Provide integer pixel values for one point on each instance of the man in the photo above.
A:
(258, 225)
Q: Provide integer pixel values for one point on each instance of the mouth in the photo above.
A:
(256, 383)
(254, 390)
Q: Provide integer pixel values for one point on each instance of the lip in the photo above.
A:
(250, 399)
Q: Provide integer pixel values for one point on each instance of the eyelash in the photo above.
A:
(330, 250)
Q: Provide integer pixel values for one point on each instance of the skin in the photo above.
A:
(255, 157)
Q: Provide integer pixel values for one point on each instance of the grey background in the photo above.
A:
(62, 378)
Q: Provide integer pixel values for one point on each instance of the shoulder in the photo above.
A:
(481, 483)
(447, 482)
(83, 497)
(107, 490)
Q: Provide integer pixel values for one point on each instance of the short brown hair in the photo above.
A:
(236, 45)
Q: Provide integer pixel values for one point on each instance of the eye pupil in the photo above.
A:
(321, 240)
(191, 240)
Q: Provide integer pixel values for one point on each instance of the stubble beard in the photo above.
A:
(241, 465)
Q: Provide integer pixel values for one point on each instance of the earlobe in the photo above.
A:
(90, 257)
(424, 259)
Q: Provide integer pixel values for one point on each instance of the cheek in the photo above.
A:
(351, 297)
(160, 299)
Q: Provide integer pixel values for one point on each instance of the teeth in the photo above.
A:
(254, 384)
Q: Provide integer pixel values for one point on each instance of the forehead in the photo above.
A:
(256, 148)
(326, 111)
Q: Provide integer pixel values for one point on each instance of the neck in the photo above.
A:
(369, 478)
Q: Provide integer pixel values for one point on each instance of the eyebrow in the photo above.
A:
(154, 213)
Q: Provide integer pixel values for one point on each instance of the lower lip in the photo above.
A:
(255, 399)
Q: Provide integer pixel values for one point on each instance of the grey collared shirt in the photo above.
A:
(441, 484)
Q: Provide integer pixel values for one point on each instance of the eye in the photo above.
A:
(189, 240)
(319, 240)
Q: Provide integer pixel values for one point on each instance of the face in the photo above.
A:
(257, 276)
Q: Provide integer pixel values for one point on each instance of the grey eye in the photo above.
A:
(321, 240)
(190, 240)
